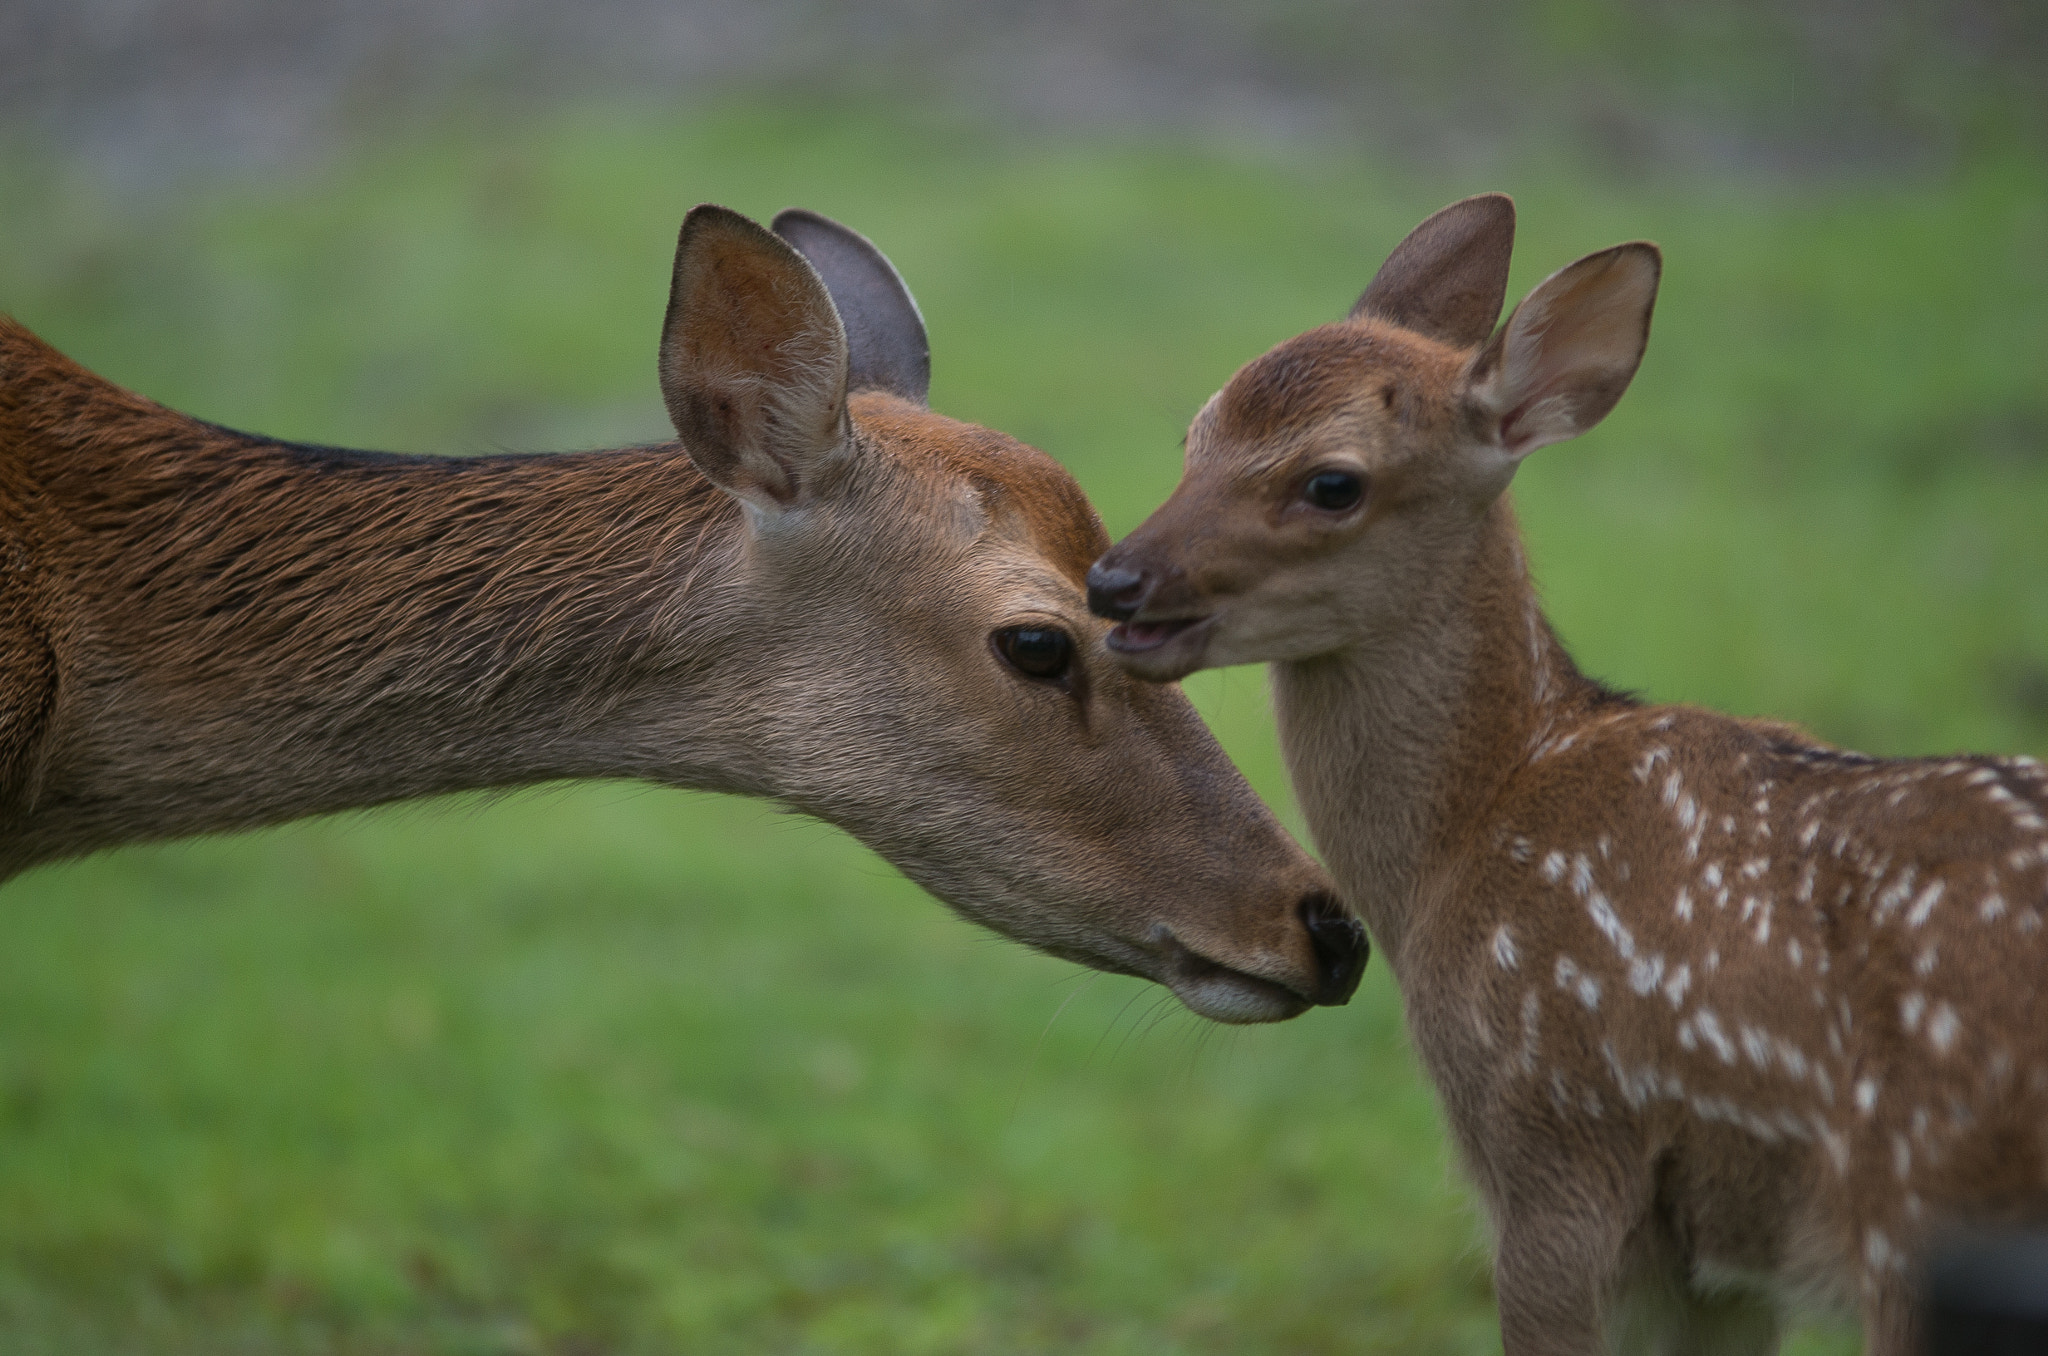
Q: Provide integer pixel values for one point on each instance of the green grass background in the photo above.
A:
(608, 1069)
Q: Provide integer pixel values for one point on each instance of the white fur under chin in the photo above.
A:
(1237, 1001)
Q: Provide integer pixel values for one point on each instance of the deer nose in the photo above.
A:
(1338, 940)
(1116, 591)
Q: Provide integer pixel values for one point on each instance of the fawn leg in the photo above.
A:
(1891, 1320)
(1552, 1273)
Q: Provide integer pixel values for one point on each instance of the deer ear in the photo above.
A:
(753, 361)
(886, 345)
(1448, 278)
(1569, 350)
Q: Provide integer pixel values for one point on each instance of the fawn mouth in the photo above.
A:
(1140, 637)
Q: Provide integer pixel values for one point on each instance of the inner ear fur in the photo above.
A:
(753, 359)
(885, 337)
(1569, 350)
(1449, 277)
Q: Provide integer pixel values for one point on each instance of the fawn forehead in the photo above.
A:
(1014, 479)
(1337, 373)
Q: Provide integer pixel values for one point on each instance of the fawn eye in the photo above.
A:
(1334, 491)
(1035, 651)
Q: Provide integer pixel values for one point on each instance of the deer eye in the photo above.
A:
(1334, 491)
(1035, 651)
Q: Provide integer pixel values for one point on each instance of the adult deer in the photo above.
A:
(1716, 1012)
(852, 605)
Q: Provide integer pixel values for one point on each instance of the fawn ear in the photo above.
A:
(1449, 277)
(753, 361)
(885, 340)
(1569, 350)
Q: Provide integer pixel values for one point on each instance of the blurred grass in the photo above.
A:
(606, 1069)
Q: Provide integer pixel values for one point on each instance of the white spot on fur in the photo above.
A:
(1709, 1027)
(1675, 987)
(1532, 1011)
(1942, 1028)
(1923, 965)
(1866, 1095)
(1553, 867)
(1504, 948)
(1992, 908)
(1610, 925)
(1894, 895)
(1570, 977)
(1924, 905)
(1911, 1007)
(1711, 874)
(1645, 974)
(1683, 905)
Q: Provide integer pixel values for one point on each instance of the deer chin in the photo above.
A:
(1161, 651)
(1219, 992)
(1237, 999)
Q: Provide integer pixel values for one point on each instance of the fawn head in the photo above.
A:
(930, 677)
(1334, 478)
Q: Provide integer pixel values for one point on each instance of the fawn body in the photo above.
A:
(853, 605)
(1718, 1014)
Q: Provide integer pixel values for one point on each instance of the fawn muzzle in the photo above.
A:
(1160, 630)
(1116, 591)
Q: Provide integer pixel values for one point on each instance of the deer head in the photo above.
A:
(1336, 482)
(926, 673)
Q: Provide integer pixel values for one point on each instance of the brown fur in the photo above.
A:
(1718, 1014)
(204, 630)
(1012, 477)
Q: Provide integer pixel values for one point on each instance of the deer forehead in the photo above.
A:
(1014, 490)
(1357, 382)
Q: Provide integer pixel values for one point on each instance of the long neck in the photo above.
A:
(240, 631)
(1395, 744)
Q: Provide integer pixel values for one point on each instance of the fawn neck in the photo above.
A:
(250, 631)
(1396, 743)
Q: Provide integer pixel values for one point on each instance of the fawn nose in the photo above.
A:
(1338, 940)
(1116, 591)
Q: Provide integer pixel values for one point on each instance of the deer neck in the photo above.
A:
(241, 632)
(1396, 742)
